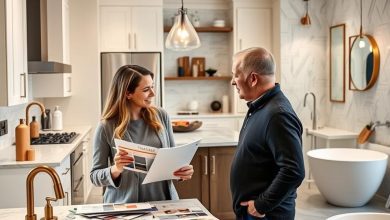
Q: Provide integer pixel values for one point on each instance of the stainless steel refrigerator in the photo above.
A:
(112, 61)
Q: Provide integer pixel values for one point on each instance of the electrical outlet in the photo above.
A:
(3, 127)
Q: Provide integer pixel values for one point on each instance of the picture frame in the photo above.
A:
(337, 63)
(200, 62)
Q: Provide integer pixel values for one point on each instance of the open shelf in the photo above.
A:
(206, 29)
(198, 78)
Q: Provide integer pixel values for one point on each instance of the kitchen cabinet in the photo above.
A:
(247, 34)
(13, 53)
(13, 186)
(210, 181)
(87, 165)
(131, 28)
(51, 85)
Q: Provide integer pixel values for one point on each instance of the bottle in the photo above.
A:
(46, 120)
(57, 119)
(34, 128)
(22, 140)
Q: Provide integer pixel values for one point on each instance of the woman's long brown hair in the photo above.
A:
(117, 107)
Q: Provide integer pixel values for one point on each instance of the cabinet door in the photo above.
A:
(14, 90)
(221, 205)
(115, 33)
(198, 186)
(147, 30)
(64, 172)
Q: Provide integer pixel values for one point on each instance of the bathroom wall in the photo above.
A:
(305, 65)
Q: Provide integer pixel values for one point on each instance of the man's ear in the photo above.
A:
(254, 79)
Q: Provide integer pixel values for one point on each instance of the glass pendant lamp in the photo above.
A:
(182, 36)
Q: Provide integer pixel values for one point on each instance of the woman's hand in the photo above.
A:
(185, 173)
(121, 159)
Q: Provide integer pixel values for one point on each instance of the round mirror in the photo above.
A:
(364, 62)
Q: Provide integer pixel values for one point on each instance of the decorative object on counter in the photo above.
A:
(182, 36)
(305, 20)
(195, 70)
(46, 120)
(183, 66)
(58, 190)
(219, 23)
(195, 18)
(369, 129)
(29, 106)
(188, 113)
(211, 71)
(364, 60)
(30, 154)
(34, 128)
(57, 119)
(193, 106)
(22, 140)
(200, 62)
(185, 126)
(216, 106)
(225, 104)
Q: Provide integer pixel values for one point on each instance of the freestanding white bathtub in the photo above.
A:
(361, 216)
(347, 177)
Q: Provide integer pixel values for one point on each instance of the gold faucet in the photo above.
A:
(30, 192)
(28, 108)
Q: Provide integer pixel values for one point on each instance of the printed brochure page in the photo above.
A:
(158, 163)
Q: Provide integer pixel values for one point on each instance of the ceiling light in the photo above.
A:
(182, 35)
(305, 20)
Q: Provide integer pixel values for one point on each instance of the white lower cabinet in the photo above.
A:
(51, 85)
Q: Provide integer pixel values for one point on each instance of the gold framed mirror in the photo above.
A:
(364, 61)
(337, 63)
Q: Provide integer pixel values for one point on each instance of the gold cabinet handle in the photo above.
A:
(206, 165)
(130, 41)
(213, 163)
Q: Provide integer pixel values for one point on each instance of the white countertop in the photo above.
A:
(211, 137)
(51, 155)
(332, 133)
(62, 212)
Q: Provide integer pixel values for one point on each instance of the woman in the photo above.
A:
(129, 115)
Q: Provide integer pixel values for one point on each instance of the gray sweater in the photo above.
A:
(128, 188)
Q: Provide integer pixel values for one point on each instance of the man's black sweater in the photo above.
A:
(268, 163)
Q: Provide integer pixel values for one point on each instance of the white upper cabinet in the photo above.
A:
(130, 28)
(13, 53)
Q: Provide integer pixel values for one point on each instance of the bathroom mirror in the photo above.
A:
(337, 63)
(363, 62)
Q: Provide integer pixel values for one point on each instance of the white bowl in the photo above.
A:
(361, 216)
(219, 23)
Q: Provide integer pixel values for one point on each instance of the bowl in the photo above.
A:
(191, 126)
(210, 71)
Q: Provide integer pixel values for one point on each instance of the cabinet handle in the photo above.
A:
(205, 165)
(66, 171)
(23, 76)
(76, 189)
(129, 40)
(240, 44)
(69, 84)
(67, 198)
(135, 41)
(213, 162)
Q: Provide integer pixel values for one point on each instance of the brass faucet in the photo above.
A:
(28, 108)
(30, 192)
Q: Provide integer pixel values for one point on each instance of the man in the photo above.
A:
(268, 165)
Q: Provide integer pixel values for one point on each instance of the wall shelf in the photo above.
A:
(198, 78)
(206, 29)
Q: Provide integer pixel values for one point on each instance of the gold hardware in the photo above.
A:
(28, 108)
(59, 192)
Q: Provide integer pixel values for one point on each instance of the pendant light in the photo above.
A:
(362, 44)
(305, 20)
(182, 36)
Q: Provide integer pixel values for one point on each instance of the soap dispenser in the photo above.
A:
(57, 119)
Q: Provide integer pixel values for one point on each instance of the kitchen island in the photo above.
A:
(211, 137)
(62, 212)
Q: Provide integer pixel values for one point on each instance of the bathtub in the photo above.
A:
(347, 177)
(361, 216)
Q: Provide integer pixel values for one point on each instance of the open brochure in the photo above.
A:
(158, 163)
(130, 208)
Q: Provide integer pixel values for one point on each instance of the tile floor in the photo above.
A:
(310, 204)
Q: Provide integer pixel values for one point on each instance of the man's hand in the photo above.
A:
(251, 208)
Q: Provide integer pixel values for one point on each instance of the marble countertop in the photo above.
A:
(51, 155)
(62, 212)
(332, 133)
(211, 137)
